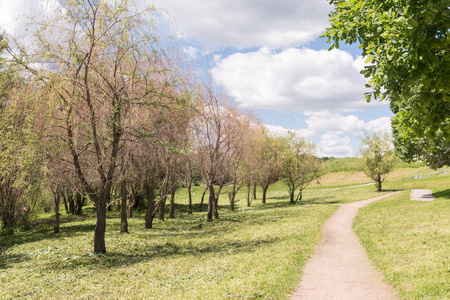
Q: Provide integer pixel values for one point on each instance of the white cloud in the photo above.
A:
(191, 51)
(328, 121)
(283, 131)
(250, 23)
(334, 133)
(11, 14)
(295, 80)
(380, 124)
(333, 144)
(325, 121)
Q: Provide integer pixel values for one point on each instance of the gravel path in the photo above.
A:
(340, 268)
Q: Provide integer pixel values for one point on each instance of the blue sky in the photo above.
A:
(268, 56)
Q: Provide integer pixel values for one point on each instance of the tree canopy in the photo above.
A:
(435, 152)
(378, 156)
(406, 48)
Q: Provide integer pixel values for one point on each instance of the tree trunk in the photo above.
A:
(232, 196)
(300, 195)
(71, 204)
(65, 203)
(162, 207)
(203, 198)
(123, 211)
(292, 196)
(232, 201)
(379, 182)
(265, 187)
(190, 197)
(149, 189)
(211, 202)
(172, 204)
(130, 209)
(216, 202)
(57, 196)
(100, 227)
(254, 191)
(79, 204)
(249, 203)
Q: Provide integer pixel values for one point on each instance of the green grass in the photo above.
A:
(343, 164)
(351, 164)
(409, 241)
(251, 253)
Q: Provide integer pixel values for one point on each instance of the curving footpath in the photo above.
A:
(340, 268)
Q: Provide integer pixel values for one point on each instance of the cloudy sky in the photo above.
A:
(268, 56)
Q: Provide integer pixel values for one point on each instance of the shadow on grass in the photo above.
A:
(128, 257)
(11, 259)
(42, 232)
(190, 228)
(442, 194)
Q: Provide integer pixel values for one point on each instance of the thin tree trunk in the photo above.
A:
(149, 189)
(57, 196)
(211, 201)
(131, 203)
(300, 195)
(216, 202)
(162, 207)
(71, 204)
(203, 198)
(190, 197)
(172, 204)
(79, 204)
(254, 191)
(292, 196)
(130, 209)
(100, 227)
(233, 196)
(65, 203)
(123, 212)
(379, 182)
(265, 188)
(249, 203)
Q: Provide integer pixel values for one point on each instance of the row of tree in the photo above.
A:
(97, 105)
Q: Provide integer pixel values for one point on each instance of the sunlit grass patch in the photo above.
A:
(251, 253)
(409, 241)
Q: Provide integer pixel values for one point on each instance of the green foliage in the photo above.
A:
(19, 149)
(300, 165)
(406, 46)
(409, 146)
(378, 156)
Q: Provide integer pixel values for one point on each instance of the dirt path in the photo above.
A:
(340, 268)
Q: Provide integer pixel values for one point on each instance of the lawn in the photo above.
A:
(409, 241)
(255, 252)
(251, 253)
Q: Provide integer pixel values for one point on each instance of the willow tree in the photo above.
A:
(217, 137)
(98, 60)
(20, 155)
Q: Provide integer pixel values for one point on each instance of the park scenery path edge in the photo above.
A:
(340, 267)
